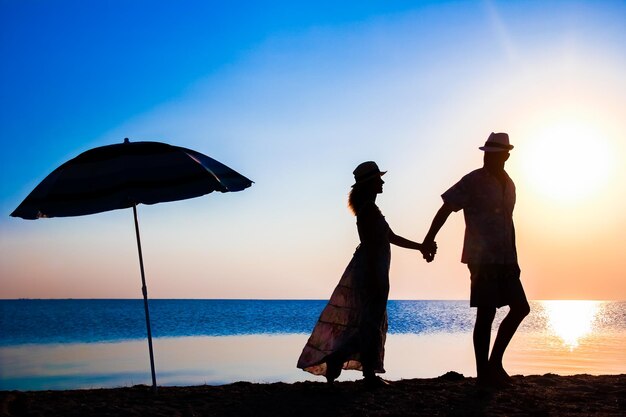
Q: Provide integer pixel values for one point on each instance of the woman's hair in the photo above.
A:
(359, 195)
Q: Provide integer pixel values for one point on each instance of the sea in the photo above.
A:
(100, 343)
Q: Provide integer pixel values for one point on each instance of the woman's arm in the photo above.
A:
(427, 252)
(403, 242)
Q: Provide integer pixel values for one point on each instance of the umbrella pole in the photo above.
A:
(144, 290)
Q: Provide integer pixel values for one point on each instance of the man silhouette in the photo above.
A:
(487, 198)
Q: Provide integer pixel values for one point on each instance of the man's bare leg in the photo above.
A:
(482, 338)
(507, 329)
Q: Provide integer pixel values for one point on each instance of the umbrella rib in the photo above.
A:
(100, 193)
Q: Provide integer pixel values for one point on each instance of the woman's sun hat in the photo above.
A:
(497, 142)
(366, 171)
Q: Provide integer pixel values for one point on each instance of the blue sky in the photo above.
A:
(75, 70)
(294, 96)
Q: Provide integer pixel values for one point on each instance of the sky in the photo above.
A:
(294, 95)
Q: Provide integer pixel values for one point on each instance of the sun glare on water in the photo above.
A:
(567, 161)
(571, 320)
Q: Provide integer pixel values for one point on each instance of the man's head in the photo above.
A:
(497, 142)
(496, 150)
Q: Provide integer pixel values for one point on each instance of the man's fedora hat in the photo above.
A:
(497, 142)
(366, 171)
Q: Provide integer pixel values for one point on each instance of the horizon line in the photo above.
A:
(285, 299)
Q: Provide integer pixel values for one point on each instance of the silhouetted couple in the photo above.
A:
(351, 330)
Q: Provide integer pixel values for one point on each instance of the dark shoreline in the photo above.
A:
(448, 395)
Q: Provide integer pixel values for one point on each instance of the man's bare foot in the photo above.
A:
(375, 382)
(498, 375)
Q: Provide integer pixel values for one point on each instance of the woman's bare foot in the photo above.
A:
(333, 370)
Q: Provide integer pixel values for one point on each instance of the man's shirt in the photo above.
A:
(487, 205)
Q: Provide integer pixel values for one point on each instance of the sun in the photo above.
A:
(567, 160)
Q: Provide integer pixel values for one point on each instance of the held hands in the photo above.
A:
(429, 249)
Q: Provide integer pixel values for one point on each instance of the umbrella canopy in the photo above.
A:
(122, 176)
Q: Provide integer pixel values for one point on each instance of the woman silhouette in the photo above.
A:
(351, 330)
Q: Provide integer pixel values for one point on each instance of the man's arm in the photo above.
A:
(438, 221)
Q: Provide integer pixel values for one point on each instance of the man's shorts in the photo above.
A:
(495, 285)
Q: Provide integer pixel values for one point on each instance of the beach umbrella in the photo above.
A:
(122, 176)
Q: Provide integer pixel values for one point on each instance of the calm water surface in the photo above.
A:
(62, 344)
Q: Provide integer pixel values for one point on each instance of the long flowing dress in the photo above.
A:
(352, 328)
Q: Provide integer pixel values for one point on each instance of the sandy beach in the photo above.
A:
(448, 395)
